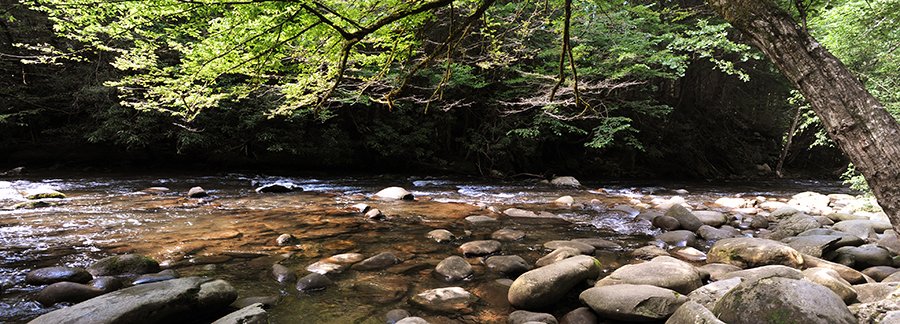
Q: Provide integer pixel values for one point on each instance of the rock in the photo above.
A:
(598, 243)
(747, 252)
(507, 235)
(252, 314)
(879, 273)
(833, 281)
(759, 222)
(565, 200)
(283, 274)
(709, 294)
(449, 300)
(13, 172)
(523, 316)
(280, 186)
(440, 235)
(158, 302)
(730, 202)
(44, 276)
(709, 217)
(647, 215)
(894, 277)
(793, 225)
(286, 239)
(689, 254)
(684, 216)
(872, 292)
(581, 247)
(580, 315)
(360, 208)
(313, 282)
(545, 286)
(837, 217)
(649, 252)
(479, 248)
(394, 193)
(693, 313)
(168, 274)
(565, 182)
(815, 245)
(769, 271)
(395, 315)
(478, 219)
(127, 264)
(667, 204)
(862, 256)
(377, 262)
(776, 300)
(632, 303)
(783, 212)
(662, 271)
(667, 223)
(557, 255)
(852, 276)
(678, 238)
(716, 270)
(374, 214)
(413, 320)
(196, 192)
(710, 233)
(106, 284)
(864, 229)
(890, 241)
(324, 267)
(69, 292)
(454, 268)
(43, 193)
(510, 265)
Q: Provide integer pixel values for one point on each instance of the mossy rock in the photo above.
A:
(127, 264)
(35, 194)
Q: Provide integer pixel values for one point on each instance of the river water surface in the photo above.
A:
(231, 234)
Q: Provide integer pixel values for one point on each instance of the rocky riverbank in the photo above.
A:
(573, 255)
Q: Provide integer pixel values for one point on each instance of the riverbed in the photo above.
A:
(231, 234)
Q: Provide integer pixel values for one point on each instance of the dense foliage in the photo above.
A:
(476, 86)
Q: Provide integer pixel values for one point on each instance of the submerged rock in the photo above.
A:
(283, 274)
(507, 234)
(478, 248)
(632, 303)
(197, 192)
(544, 286)
(440, 235)
(286, 239)
(252, 314)
(449, 300)
(377, 262)
(127, 264)
(313, 281)
(158, 302)
(281, 186)
(454, 268)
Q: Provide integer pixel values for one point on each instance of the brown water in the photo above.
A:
(231, 234)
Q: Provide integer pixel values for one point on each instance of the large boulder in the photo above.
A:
(710, 217)
(709, 294)
(864, 229)
(819, 245)
(782, 300)
(44, 276)
(748, 252)
(159, 302)
(831, 280)
(252, 314)
(684, 216)
(394, 193)
(632, 303)
(693, 313)
(127, 264)
(861, 257)
(479, 248)
(794, 225)
(769, 271)
(847, 273)
(544, 286)
(69, 292)
(662, 271)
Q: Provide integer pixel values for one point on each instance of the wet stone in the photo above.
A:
(283, 274)
(394, 193)
(523, 316)
(557, 255)
(197, 192)
(581, 315)
(507, 235)
(70, 292)
(155, 277)
(127, 264)
(507, 264)
(377, 262)
(480, 219)
(667, 223)
(395, 315)
(51, 275)
(450, 300)
(479, 248)
(251, 314)
(678, 238)
(581, 247)
(313, 282)
(286, 239)
(440, 235)
(381, 288)
(454, 268)
(375, 214)
(323, 267)
(107, 284)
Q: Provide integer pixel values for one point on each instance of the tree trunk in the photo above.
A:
(854, 119)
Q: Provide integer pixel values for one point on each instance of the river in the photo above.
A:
(231, 234)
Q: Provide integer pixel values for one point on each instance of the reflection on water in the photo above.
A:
(231, 234)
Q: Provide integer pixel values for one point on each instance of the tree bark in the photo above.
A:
(853, 118)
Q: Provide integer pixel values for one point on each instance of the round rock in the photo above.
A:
(44, 276)
(479, 248)
(454, 268)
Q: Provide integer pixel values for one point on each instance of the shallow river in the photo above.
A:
(231, 234)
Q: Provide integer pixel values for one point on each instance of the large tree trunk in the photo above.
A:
(854, 119)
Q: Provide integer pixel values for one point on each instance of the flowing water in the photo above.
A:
(231, 234)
